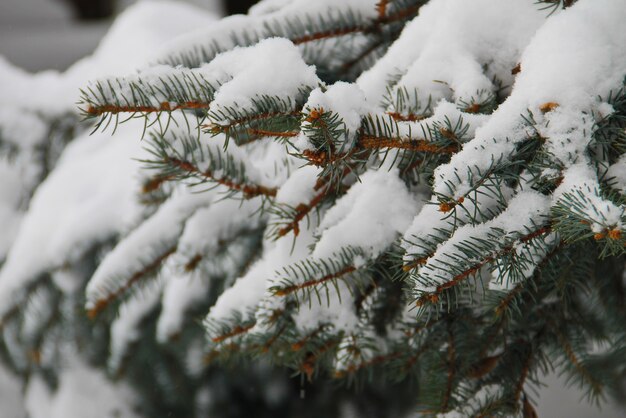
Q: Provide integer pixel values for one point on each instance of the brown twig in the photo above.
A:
(96, 110)
(417, 145)
(104, 302)
(434, 296)
(238, 330)
(313, 282)
(374, 27)
(248, 190)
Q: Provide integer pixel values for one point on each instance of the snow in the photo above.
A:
(139, 31)
(530, 254)
(372, 214)
(37, 313)
(444, 112)
(243, 296)
(126, 328)
(223, 221)
(250, 291)
(260, 163)
(335, 308)
(431, 226)
(442, 52)
(82, 392)
(265, 22)
(246, 66)
(181, 293)
(21, 136)
(72, 210)
(345, 100)
(617, 174)
(230, 81)
(526, 211)
(299, 187)
(577, 35)
(155, 237)
(449, 55)
(203, 235)
(580, 183)
(268, 6)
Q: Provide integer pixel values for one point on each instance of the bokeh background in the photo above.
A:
(39, 35)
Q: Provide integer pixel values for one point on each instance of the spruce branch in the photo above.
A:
(100, 304)
(179, 156)
(473, 268)
(340, 26)
(154, 91)
(268, 116)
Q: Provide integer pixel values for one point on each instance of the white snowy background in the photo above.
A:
(39, 34)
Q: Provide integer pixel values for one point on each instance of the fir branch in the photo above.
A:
(373, 27)
(98, 110)
(301, 343)
(505, 303)
(289, 217)
(100, 304)
(410, 117)
(272, 116)
(249, 190)
(381, 8)
(554, 5)
(487, 182)
(415, 145)
(234, 332)
(165, 91)
(301, 211)
(381, 359)
(286, 290)
(245, 119)
(340, 27)
(474, 268)
(179, 156)
(296, 278)
(155, 182)
(594, 384)
(336, 152)
(519, 386)
(584, 213)
(484, 366)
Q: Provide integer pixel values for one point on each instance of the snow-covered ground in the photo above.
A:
(38, 35)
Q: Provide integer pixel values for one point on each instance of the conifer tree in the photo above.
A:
(421, 198)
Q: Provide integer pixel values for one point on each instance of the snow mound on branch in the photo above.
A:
(586, 61)
(260, 18)
(82, 392)
(244, 296)
(371, 215)
(443, 51)
(247, 66)
(343, 99)
(126, 328)
(525, 211)
(152, 240)
(83, 202)
(74, 208)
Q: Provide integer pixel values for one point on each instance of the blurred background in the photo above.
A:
(39, 35)
(52, 34)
